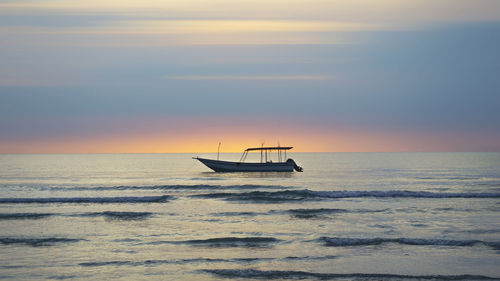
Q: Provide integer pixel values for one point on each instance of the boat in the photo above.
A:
(265, 164)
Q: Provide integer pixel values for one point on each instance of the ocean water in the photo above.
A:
(348, 216)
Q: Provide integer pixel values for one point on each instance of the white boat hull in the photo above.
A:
(228, 166)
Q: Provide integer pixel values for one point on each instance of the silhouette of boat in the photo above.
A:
(265, 164)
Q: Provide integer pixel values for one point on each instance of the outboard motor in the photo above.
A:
(295, 166)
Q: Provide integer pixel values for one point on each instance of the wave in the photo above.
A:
(482, 231)
(118, 215)
(262, 196)
(37, 241)
(309, 213)
(444, 177)
(346, 242)
(64, 277)
(298, 213)
(402, 193)
(100, 200)
(313, 213)
(107, 214)
(221, 242)
(277, 274)
(445, 209)
(200, 260)
(24, 216)
(308, 195)
(238, 214)
(107, 263)
(169, 187)
(207, 179)
(181, 261)
(327, 257)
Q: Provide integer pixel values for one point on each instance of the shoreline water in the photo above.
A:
(349, 216)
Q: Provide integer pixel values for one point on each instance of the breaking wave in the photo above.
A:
(107, 263)
(238, 214)
(221, 242)
(403, 193)
(119, 215)
(107, 214)
(262, 196)
(181, 261)
(312, 213)
(298, 213)
(145, 199)
(308, 195)
(346, 242)
(37, 241)
(24, 216)
(198, 260)
(277, 274)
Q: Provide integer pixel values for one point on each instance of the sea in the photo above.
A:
(348, 216)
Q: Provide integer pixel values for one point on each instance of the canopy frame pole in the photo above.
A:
(243, 156)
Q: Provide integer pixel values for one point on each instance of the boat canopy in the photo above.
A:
(270, 148)
(265, 153)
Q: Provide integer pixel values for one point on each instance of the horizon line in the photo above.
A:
(238, 152)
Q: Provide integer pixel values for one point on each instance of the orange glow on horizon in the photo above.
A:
(206, 141)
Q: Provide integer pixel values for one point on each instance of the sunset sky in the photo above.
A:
(118, 76)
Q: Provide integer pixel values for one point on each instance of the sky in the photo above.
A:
(122, 76)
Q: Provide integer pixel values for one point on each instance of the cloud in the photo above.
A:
(137, 33)
(341, 10)
(201, 26)
(233, 26)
